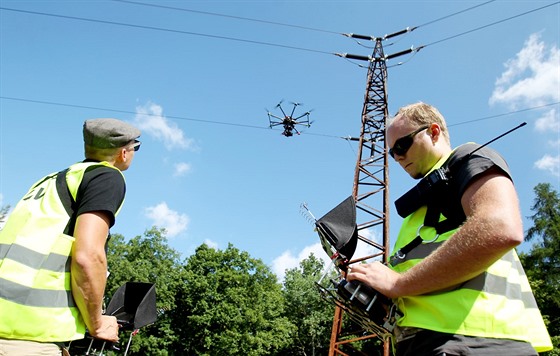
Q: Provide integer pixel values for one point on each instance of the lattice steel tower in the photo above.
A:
(371, 178)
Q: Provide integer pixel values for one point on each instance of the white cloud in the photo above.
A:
(289, 260)
(549, 163)
(173, 222)
(548, 122)
(149, 118)
(211, 244)
(532, 77)
(181, 169)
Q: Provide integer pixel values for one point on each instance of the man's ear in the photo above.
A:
(435, 131)
(122, 156)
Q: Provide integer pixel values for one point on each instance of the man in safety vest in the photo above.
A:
(53, 265)
(454, 274)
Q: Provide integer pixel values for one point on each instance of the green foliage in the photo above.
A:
(229, 304)
(547, 215)
(542, 262)
(306, 309)
(4, 213)
(147, 259)
(556, 350)
(224, 302)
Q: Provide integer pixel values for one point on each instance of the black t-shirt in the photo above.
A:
(442, 189)
(102, 189)
(464, 167)
(479, 162)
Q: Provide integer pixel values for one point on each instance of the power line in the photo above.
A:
(410, 29)
(228, 16)
(412, 49)
(244, 125)
(269, 43)
(164, 30)
(285, 24)
(299, 26)
(453, 14)
(281, 23)
(127, 112)
(505, 114)
(492, 24)
(134, 113)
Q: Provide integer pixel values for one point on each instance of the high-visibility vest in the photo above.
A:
(36, 300)
(498, 303)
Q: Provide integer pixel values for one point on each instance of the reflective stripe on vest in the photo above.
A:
(53, 262)
(36, 301)
(497, 304)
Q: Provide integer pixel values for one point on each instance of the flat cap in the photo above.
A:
(109, 133)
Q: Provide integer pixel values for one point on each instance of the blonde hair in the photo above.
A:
(424, 114)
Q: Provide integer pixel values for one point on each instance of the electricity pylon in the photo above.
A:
(371, 178)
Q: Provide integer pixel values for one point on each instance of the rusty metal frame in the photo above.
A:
(371, 180)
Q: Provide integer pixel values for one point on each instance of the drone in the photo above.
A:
(289, 122)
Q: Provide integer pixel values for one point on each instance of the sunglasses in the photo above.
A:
(136, 146)
(402, 145)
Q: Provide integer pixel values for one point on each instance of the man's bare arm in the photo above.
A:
(89, 274)
(492, 228)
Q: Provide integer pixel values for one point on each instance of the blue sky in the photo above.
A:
(198, 77)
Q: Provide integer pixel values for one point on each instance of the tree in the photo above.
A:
(542, 262)
(306, 309)
(4, 214)
(229, 304)
(147, 259)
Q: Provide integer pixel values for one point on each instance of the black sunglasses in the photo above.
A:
(402, 145)
(136, 146)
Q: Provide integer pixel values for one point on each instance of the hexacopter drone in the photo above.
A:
(289, 122)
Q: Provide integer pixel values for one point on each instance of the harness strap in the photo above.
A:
(410, 246)
(431, 219)
(67, 200)
(434, 207)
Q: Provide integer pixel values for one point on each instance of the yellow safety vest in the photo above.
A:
(36, 300)
(498, 303)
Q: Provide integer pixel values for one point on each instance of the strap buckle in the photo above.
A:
(401, 253)
(392, 318)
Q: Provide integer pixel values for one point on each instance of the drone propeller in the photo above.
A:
(293, 110)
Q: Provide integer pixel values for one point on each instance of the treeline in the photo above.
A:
(225, 302)
(222, 302)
